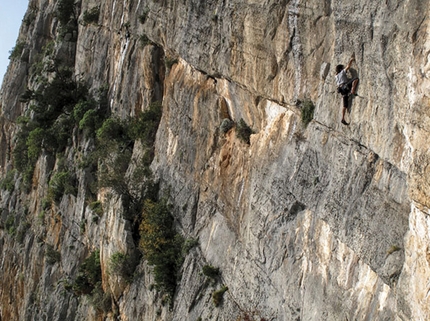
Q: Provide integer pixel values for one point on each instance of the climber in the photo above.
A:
(345, 86)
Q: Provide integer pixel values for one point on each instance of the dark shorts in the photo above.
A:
(344, 90)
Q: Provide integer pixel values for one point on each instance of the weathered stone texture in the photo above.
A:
(327, 222)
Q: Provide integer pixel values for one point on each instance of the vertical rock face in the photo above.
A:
(316, 222)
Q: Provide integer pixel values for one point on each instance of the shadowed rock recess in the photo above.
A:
(123, 198)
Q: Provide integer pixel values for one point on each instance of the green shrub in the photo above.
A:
(112, 129)
(100, 300)
(144, 40)
(52, 256)
(210, 271)
(61, 183)
(308, 108)
(34, 143)
(161, 245)
(10, 224)
(81, 108)
(217, 296)
(144, 15)
(189, 244)
(145, 125)
(59, 135)
(8, 183)
(22, 231)
(55, 104)
(226, 125)
(122, 265)
(90, 121)
(89, 275)
(16, 51)
(65, 11)
(97, 207)
(243, 131)
(31, 15)
(41, 217)
(20, 150)
(115, 141)
(91, 16)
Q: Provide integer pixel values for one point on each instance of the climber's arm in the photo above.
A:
(349, 64)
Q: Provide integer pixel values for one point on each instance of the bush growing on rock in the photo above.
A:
(161, 244)
(308, 108)
(65, 10)
(243, 131)
(226, 125)
(89, 275)
(8, 183)
(91, 16)
(144, 15)
(122, 265)
(61, 183)
(16, 51)
(218, 295)
(52, 256)
(211, 271)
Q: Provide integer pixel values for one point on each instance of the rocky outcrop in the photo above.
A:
(312, 222)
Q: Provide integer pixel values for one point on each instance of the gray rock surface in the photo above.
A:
(324, 222)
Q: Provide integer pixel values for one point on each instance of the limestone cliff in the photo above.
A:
(119, 114)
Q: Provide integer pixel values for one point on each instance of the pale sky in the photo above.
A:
(11, 14)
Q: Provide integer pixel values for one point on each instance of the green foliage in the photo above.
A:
(65, 11)
(161, 244)
(20, 150)
(97, 207)
(144, 40)
(243, 131)
(115, 141)
(8, 183)
(308, 109)
(90, 120)
(41, 217)
(16, 51)
(34, 144)
(211, 271)
(100, 300)
(112, 129)
(22, 231)
(91, 16)
(189, 244)
(10, 225)
(144, 15)
(122, 265)
(61, 183)
(59, 135)
(60, 95)
(89, 275)
(52, 256)
(145, 125)
(42, 63)
(87, 114)
(218, 295)
(31, 15)
(51, 126)
(226, 125)
(81, 108)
